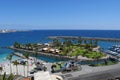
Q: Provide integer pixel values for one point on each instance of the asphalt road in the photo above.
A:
(113, 74)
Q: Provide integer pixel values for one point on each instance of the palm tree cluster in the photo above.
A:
(16, 63)
(27, 55)
(28, 46)
(9, 57)
(16, 45)
(71, 47)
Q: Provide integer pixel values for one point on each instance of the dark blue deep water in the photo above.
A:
(34, 36)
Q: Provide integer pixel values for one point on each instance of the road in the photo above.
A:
(95, 73)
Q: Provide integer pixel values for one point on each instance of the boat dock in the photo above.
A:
(85, 38)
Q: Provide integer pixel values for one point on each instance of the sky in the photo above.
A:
(60, 14)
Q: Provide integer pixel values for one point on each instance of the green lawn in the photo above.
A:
(77, 50)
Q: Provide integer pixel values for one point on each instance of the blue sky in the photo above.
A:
(60, 14)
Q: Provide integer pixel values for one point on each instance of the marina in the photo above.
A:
(86, 65)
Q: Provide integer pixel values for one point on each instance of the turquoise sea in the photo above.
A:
(37, 36)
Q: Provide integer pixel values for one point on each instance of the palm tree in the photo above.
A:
(35, 55)
(24, 63)
(85, 42)
(68, 42)
(29, 46)
(16, 64)
(91, 43)
(27, 57)
(56, 42)
(76, 54)
(1, 70)
(4, 76)
(96, 43)
(79, 41)
(9, 57)
(16, 45)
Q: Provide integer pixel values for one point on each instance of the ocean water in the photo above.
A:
(35, 36)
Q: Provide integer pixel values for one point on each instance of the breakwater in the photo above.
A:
(85, 38)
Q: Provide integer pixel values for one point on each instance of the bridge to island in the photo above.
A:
(85, 38)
